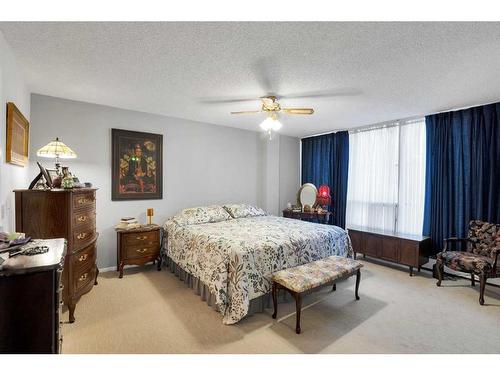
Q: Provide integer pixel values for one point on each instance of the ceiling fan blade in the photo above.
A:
(298, 111)
(245, 112)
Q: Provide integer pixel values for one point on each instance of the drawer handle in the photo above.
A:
(81, 236)
(82, 218)
(83, 257)
(83, 277)
(142, 250)
(84, 200)
(142, 238)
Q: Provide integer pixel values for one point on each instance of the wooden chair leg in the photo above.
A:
(275, 301)
(439, 269)
(358, 279)
(482, 280)
(298, 305)
(472, 279)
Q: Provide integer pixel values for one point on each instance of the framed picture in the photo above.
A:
(137, 168)
(17, 136)
(52, 174)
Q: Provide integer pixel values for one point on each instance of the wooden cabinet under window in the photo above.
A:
(408, 250)
(70, 214)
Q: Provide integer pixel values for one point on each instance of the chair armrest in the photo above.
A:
(453, 239)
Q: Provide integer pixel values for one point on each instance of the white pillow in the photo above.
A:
(200, 215)
(240, 210)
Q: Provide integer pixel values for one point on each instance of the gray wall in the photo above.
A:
(203, 163)
(12, 89)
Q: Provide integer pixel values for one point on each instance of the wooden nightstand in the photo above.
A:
(138, 246)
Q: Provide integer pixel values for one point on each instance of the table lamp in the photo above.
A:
(324, 198)
(58, 150)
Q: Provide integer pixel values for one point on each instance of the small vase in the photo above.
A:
(67, 180)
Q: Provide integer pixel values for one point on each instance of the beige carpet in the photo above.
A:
(153, 312)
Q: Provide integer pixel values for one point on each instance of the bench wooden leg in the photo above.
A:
(298, 305)
(275, 301)
(358, 279)
(334, 287)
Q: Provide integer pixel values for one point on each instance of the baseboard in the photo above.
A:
(113, 268)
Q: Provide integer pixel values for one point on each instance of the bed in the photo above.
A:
(233, 250)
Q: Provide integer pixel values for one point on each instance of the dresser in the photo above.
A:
(138, 246)
(70, 214)
(408, 250)
(30, 300)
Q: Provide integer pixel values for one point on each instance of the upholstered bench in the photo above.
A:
(308, 276)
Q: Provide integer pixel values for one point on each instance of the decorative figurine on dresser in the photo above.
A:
(70, 214)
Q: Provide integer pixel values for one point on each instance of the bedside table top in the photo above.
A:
(142, 228)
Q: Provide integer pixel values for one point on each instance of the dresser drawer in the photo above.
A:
(85, 258)
(82, 236)
(141, 238)
(84, 201)
(141, 251)
(83, 277)
(84, 219)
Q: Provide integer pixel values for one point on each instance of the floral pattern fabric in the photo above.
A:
(243, 210)
(236, 258)
(314, 274)
(200, 215)
(484, 238)
(465, 261)
(484, 244)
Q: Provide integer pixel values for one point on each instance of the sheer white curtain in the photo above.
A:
(411, 177)
(373, 178)
(387, 177)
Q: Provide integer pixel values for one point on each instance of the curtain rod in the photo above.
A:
(391, 123)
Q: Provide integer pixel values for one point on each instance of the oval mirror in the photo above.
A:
(307, 195)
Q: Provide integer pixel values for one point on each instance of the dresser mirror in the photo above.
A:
(307, 195)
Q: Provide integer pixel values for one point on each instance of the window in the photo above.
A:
(387, 177)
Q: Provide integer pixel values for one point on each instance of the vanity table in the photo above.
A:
(323, 217)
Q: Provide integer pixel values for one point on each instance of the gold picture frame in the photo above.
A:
(17, 136)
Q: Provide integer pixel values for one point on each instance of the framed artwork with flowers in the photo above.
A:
(137, 165)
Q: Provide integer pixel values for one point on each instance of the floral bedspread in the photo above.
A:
(235, 258)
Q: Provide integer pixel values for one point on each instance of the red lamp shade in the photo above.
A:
(323, 197)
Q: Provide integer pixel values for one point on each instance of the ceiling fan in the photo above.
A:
(271, 106)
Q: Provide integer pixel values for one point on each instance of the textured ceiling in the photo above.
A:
(355, 73)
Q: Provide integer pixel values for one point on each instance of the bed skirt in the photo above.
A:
(257, 305)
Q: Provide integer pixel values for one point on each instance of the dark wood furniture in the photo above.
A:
(480, 256)
(70, 214)
(408, 250)
(138, 246)
(323, 217)
(30, 301)
(309, 276)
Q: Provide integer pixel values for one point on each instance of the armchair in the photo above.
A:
(479, 258)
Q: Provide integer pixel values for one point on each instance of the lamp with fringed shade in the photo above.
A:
(55, 150)
(324, 198)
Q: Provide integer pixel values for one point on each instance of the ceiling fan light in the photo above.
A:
(270, 124)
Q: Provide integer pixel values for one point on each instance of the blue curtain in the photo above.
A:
(325, 160)
(462, 171)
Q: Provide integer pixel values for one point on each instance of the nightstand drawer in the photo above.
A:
(141, 251)
(84, 201)
(141, 238)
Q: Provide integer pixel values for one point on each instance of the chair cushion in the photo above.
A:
(311, 275)
(484, 238)
(465, 261)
